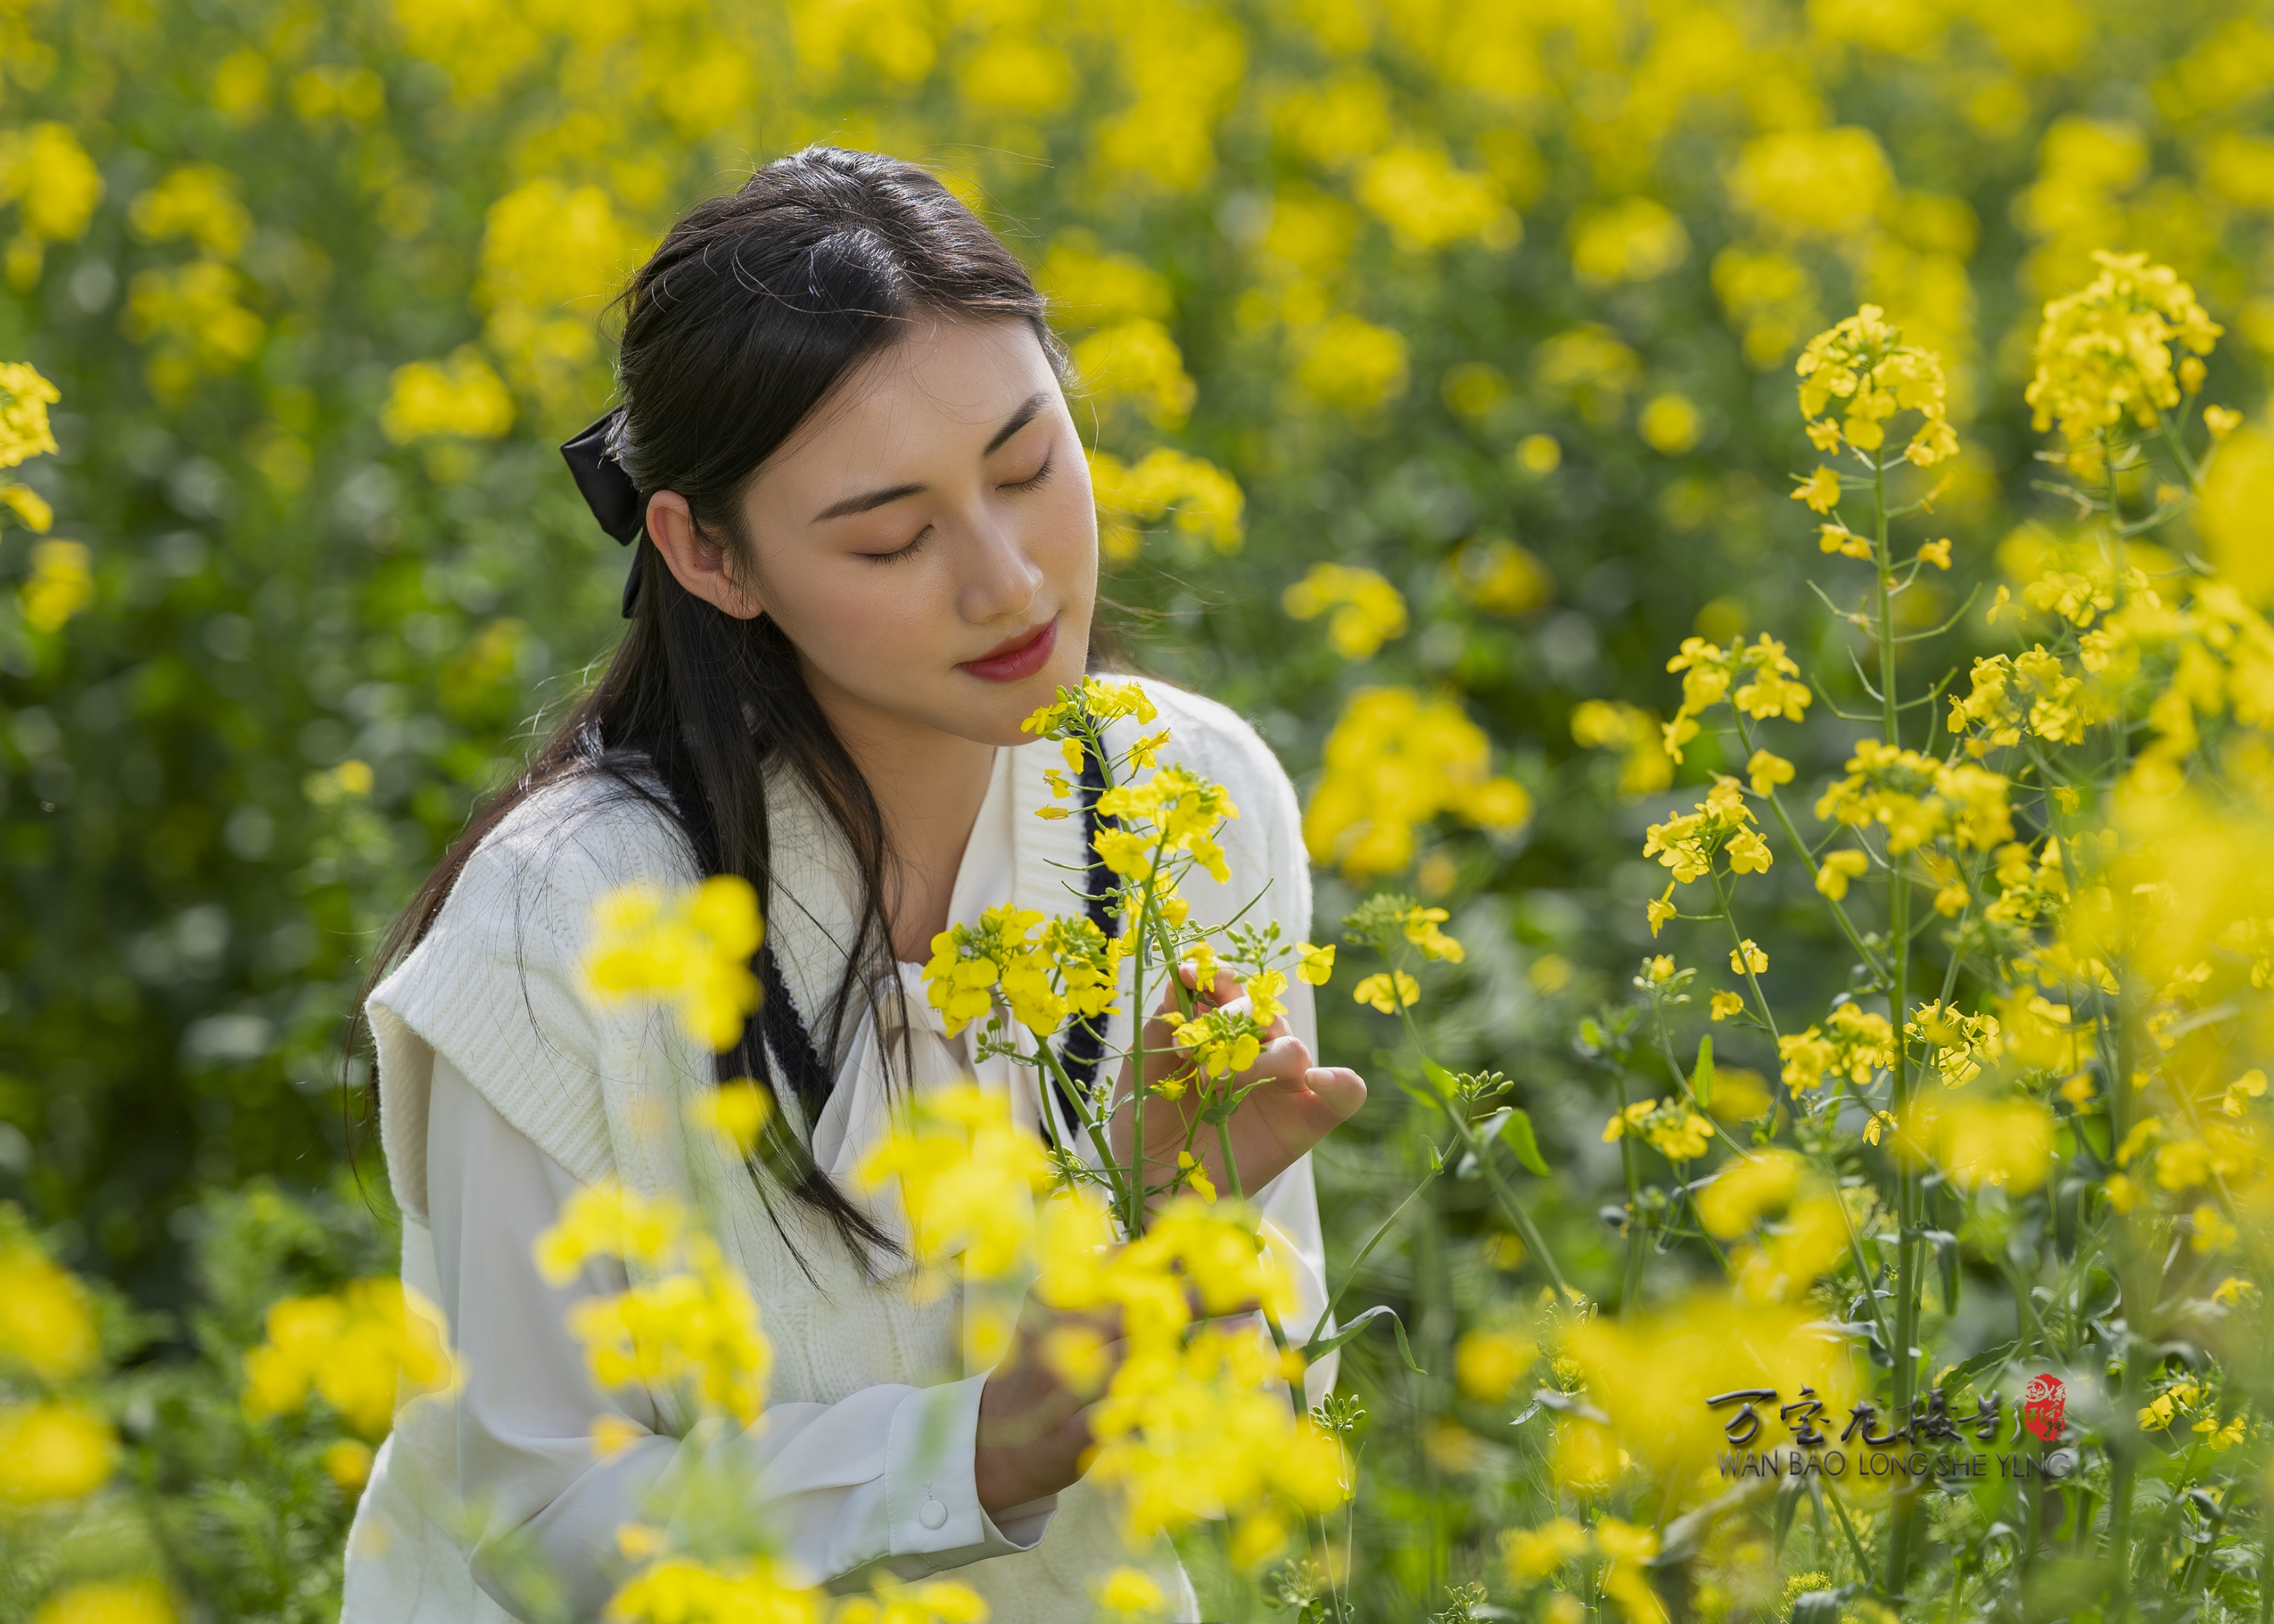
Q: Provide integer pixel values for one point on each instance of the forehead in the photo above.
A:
(945, 385)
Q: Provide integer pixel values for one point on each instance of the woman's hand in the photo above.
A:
(1033, 1420)
(1289, 1107)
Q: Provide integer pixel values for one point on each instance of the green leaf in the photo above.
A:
(1319, 1347)
(1516, 1129)
(1440, 1078)
(1701, 1079)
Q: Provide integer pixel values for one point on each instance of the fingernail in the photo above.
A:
(1238, 1006)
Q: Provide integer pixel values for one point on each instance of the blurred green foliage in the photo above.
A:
(1494, 301)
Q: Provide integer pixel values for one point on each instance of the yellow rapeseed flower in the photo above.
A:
(109, 1601)
(47, 1317)
(1130, 1592)
(2103, 353)
(1863, 365)
(1488, 1365)
(966, 1177)
(930, 1601)
(1636, 733)
(1388, 992)
(1364, 610)
(682, 1591)
(1745, 1189)
(1396, 760)
(1204, 503)
(1534, 1554)
(357, 1349)
(690, 950)
(25, 397)
(737, 1112)
(348, 1463)
(62, 583)
(54, 1450)
(466, 397)
(1821, 491)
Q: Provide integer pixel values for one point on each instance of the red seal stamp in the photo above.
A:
(2044, 1407)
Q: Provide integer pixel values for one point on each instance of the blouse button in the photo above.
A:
(932, 1515)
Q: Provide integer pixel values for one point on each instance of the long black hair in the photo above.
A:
(755, 307)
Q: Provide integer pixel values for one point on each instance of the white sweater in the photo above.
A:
(500, 1080)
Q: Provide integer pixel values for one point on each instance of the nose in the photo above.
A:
(1002, 580)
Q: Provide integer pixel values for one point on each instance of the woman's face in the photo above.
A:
(926, 540)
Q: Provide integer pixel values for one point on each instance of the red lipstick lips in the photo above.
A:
(1017, 659)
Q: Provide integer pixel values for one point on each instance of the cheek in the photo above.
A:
(1063, 541)
(865, 617)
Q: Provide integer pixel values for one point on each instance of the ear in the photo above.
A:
(696, 563)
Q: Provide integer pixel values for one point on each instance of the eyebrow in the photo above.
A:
(868, 499)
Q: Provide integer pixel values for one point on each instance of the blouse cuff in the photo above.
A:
(932, 1491)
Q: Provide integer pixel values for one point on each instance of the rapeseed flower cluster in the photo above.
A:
(1980, 1142)
(62, 580)
(1634, 734)
(47, 1326)
(1722, 826)
(1201, 501)
(109, 1601)
(1671, 1128)
(1396, 760)
(1174, 812)
(1363, 610)
(54, 1449)
(25, 397)
(1863, 365)
(1912, 799)
(1038, 970)
(1195, 1422)
(682, 1591)
(2104, 353)
(687, 1323)
(1195, 1425)
(358, 1349)
(692, 951)
(966, 1177)
(2085, 821)
(463, 397)
(59, 1446)
(1710, 675)
(1852, 1044)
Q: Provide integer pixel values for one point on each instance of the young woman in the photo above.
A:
(865, 552)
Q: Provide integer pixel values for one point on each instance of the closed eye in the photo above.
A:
(1035, 480)
(901, 554)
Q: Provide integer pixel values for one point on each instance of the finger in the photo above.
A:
(1284, 1060)
(1340, 1091)
(1220, 990)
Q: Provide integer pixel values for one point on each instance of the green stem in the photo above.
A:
(1532, 1237)
(1784, 822)
(1637, 1232)
(1231, 1164)
(1737, 956)
(1525, 1226)
(1898, 930)
(2188, 465)
(1855, 1544)
(1335, 1297)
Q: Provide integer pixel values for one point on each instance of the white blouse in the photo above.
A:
(883, 1476)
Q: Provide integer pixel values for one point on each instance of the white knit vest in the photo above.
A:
(495, 987)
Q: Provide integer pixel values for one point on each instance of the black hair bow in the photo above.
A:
(608, 489)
